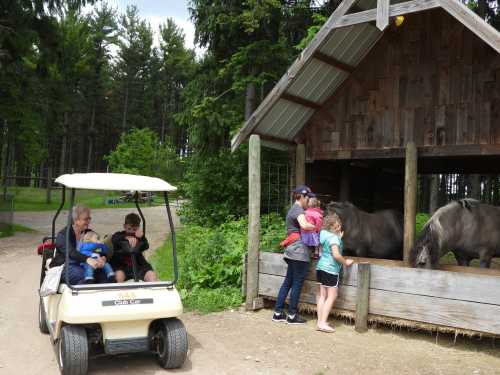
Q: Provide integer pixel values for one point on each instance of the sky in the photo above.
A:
(157, 11)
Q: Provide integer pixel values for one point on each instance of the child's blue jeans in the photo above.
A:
(89, 271)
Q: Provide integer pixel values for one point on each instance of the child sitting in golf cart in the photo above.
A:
(126, 244)
(91, 246)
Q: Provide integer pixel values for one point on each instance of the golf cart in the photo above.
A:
(113, 318)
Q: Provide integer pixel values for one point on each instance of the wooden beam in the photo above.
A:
(301, 101)
(333, 62)
(300, 165)
(254, 191)
(410, 204)
(394, 10)
(362, 297)
(399, 152)
(382, 14)
(287, 79)
(473, 22)
(270, 138)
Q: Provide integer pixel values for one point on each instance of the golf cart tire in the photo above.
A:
(42, 322)
(175, 345)
(73, 351)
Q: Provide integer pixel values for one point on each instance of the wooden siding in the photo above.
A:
(468, 298)
(431, 81)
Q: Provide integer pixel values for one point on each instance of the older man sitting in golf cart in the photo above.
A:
(81, 220)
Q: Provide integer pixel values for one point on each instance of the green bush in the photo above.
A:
(421, 219)
(210, 260)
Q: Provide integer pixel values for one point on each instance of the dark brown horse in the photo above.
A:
(468, 228)
(373, 235)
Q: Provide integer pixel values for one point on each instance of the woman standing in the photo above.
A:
(297, 257)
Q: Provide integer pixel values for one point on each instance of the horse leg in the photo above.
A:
(485, 258)
(462, 259)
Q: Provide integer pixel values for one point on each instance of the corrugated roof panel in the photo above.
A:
(282, 116)
(361, 46)
(303, 117)
(341, 48)
(334, 83)
(310, 83)
(336, 37)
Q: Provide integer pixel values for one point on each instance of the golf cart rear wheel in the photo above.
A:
(173, 343)
(73, 351)
(42, 323)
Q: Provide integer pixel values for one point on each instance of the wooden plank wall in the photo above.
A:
(431, 81)
(469, 301)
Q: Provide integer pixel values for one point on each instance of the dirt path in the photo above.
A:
(231, 342)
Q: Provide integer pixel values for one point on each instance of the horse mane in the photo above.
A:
(468, 203)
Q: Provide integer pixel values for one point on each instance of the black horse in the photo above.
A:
(469, 228)
(374, 235)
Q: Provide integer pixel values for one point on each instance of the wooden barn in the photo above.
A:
(386, 90)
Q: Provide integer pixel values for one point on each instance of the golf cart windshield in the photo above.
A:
(114, 181)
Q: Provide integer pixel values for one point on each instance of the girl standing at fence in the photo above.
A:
(328, 269)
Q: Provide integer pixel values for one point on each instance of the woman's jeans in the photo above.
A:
(77, 274)
(294, 279)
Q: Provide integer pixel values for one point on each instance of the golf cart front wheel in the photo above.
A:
(73, 351)
(172, 343)
(42, 323)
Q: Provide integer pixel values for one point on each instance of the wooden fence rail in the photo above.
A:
(467, 300)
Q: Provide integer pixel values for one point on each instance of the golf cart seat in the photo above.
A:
(46, 250)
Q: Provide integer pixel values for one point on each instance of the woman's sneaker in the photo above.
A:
(295, 319)
(279, 317)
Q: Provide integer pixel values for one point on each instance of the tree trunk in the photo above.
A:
(163, 120)
(250, 97)
(62, 162)
(250, 100)
(5, 148)
(91, 138)
(125, 109)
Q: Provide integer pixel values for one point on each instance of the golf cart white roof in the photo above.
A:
(114, 181)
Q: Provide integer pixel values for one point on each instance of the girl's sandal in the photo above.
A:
(326, 330)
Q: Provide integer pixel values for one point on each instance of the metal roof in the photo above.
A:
(341, 44)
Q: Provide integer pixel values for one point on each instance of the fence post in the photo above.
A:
(410, 209)
(362, 297)
(254, 191)
(49, 185)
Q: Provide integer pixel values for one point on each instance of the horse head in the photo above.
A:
(339, 208)
(426, 252)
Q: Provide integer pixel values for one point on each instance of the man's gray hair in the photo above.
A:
(79, 210)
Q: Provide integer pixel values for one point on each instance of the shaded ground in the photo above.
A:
(230, 342)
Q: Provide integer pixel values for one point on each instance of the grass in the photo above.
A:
(6, 232)
(34, 199)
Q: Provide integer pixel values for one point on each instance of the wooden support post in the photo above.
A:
(382, 14)
(362, 297)
(410, 199)
(300, 165)
(254, 191)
